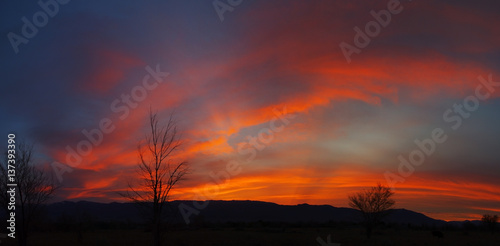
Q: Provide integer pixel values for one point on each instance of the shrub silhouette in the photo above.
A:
(373, 203)
(490, 221)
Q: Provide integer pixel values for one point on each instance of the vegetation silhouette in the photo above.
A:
(490, 222)
(374, 203)
(157, 173)
(34, 189)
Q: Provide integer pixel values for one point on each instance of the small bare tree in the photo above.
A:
(157, 172)
(34, 189)
(490, 221)
(373, 203)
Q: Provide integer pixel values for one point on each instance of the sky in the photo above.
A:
(282, 101)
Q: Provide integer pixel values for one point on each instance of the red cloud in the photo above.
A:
(109, 68)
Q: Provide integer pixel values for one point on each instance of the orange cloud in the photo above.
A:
(92, 188)
(296, 64)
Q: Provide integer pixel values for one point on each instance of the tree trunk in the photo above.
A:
(156, 233)
(23, 230)
(156, 224)
(22, 238)
(369, 228)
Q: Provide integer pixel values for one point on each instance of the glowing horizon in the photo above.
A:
(270, 90)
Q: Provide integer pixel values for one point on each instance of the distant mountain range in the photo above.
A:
(235, 211)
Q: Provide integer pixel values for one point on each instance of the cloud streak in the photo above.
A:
(226, 78)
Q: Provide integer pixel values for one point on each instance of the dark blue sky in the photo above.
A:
(227, 79)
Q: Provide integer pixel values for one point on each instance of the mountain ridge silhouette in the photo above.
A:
(222, 211)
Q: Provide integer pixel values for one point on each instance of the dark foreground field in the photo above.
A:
(268, 236)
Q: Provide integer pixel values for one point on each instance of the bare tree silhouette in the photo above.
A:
(373, 203)
(34, 188)
(157, 174)
(490, 221)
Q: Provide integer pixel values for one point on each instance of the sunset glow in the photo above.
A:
(270, 91)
